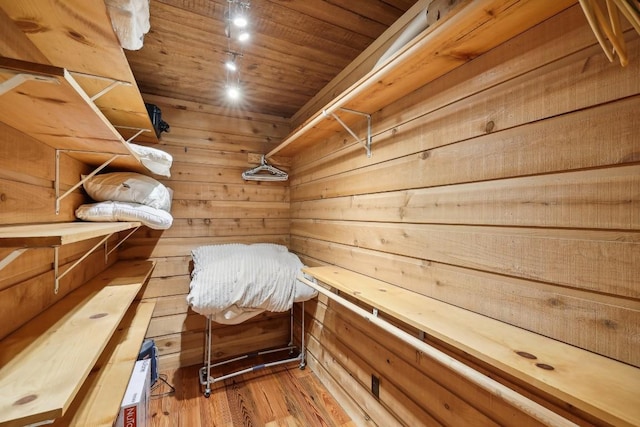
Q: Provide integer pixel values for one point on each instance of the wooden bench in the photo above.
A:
(44, 364)
(607, 389)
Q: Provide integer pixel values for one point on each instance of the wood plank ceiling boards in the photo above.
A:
(296, 48)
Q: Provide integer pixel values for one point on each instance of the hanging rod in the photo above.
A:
(526, 405)
(366, 143)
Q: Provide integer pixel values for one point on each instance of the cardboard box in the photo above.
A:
(134, 411)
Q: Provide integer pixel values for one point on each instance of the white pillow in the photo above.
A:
(128, 187)
(157, 161)
(124, 211)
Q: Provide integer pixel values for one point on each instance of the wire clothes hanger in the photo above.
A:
(606, 24)
(264, 172)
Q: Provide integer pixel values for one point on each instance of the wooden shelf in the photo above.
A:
(607, 389)
(44, 363)
(98, 401)
(466, 32)
(57, 234)
(80, 38)
(55, 110)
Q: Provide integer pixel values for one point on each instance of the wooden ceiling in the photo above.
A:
(296, 48)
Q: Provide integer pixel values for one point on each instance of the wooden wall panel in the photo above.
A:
(554, 200)
(34, 295)
(212, 204)
(538, 48)
(602, 321)
(508, 187)
(518, 151)
(608, 262)
(27, 195)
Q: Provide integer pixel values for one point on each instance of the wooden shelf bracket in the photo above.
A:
(367, 143)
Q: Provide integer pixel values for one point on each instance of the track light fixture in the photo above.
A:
(236, 29)
(231, 63)
(243, 36)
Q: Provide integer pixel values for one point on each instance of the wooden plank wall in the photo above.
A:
(211, 204)
(27, 196)
(509, 187)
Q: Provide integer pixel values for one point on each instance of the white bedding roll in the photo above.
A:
(230, 279)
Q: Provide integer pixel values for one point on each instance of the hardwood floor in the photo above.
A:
(272, 397)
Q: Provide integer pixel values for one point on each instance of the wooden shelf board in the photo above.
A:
(470, 30)
(57, 234)
(44, 363)
(59, 113)
(600, 386)
(98, 402)
(80, 38)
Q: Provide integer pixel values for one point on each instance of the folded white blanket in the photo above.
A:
(245, 277)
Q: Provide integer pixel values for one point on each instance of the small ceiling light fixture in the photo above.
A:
(243, 36)
(231, 64)
(233, 92)
(240, 20)
(236, 16)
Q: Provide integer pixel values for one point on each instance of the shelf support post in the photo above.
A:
(56, 268)
(367, 142)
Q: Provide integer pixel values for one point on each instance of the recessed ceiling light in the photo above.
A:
(231, 65)
(240, 21)
(233, 92)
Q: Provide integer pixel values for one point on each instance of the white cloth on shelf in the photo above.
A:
(130, 21)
